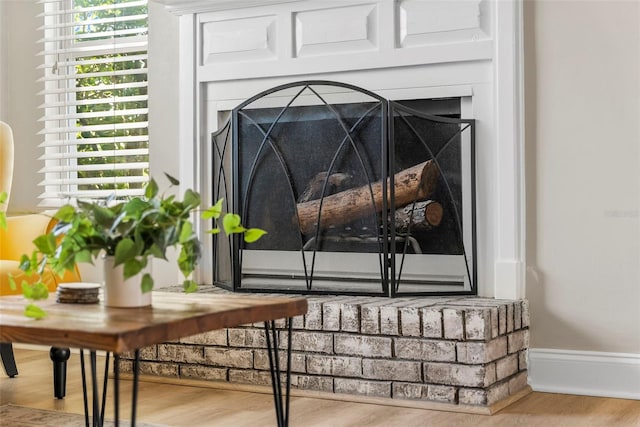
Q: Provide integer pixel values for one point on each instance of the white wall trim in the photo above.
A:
(509, 93)
(588, 373)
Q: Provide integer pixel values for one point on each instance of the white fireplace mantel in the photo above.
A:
(232, 49)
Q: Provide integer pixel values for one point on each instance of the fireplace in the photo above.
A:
(464, 53)
(311, 161)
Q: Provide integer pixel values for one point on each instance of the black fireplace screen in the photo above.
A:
(358, 194)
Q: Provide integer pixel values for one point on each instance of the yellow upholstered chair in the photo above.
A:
(15, 240)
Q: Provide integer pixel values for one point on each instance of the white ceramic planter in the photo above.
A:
(123, 293)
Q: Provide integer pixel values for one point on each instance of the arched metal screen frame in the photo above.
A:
(391, 260)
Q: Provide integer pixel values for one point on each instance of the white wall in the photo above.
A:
(582, 65)
(18, 96)
(164, 152)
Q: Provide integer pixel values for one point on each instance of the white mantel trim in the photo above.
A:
(509, 92)
(183, 7)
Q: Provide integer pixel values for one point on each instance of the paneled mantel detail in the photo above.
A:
(402, 49)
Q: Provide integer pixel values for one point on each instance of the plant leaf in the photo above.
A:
(231, 223)
(65, 213)
(147, 283)
(125, 250)
(189, 286)
(12, 282)
(214, 231)
(186, 232)
(214, 211)
(155, 251)
(191, 198)
(171, 179)
(3, 197)
(3, 220)
(151, 190)
(131, 268)
(46, 243)
(135, 207)
(253, 234)
(103, 216)
(34, 312)
(83, 256)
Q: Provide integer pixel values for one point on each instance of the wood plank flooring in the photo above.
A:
(189, 405)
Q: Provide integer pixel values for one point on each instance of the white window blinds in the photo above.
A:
(95, 88)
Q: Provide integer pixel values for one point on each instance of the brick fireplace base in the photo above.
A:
(457, 351)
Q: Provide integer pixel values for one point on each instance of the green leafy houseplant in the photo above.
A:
(132, 231)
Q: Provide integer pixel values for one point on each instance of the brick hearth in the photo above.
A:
(452, 350)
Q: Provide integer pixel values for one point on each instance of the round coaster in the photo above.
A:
(79, 286)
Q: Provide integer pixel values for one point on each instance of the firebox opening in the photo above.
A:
(311, 162)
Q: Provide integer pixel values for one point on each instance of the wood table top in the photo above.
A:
(171, 316)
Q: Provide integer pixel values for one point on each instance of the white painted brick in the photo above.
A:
(478, 324)
(163, 369)
(313, 318)
(331, 316)
(523, 360)
(249, 376)
(147, 353)
(340, 366)
(432, 322)
(525, 313)
(517, 315)
(355, 345)
(261, 361)
(480, 352)
(510, 318)
(517, 382)
(442, 393)
(462, 375)
(217, 337)
(518, 340)
(413, 391)
(181, 353)
(362, 387)
(315, 342)
(370, 319)
(425, 350)
(203, 372)
(483, 397)
(497, 393)
(297, 322)
(350, 317)
(410, 391)
(507, 366)
(410, 322)
(393, 370)
(494, 322)
(308, 382)
(472, 396)
(247, 337)
(453, 324)
(389, 321)
(502, 320)
(231, 358)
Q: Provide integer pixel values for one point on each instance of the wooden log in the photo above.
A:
(415, 183)
(426, 215)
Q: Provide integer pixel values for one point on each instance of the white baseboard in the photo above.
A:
(586, 373)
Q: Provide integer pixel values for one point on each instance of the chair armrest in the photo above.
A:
(21, 230)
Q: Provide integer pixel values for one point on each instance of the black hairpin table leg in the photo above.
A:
(98, 404)
(281, 402)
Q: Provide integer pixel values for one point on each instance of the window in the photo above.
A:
(95, 112)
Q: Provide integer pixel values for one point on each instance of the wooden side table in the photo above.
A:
(94, 327)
